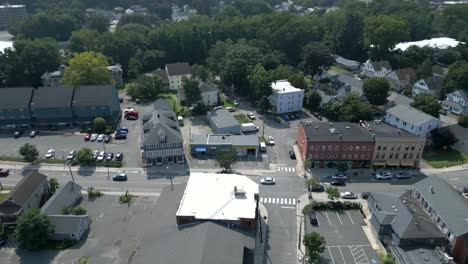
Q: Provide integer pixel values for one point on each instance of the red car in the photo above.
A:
(131, 115)
(4, 173)
(87, 137)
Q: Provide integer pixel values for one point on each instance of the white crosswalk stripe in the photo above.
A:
(280, 201)
(286, 169)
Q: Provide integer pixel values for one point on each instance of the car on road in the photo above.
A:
(313, 218)
(268, 181)
(119, 156)
(338, 183)
(50, 154)
(403, 175)
(4, 173)
(95, 154)
(348, 195)
(383, 176)
(101, 156)
(235, 102)
(107, 138)
(109, 156)
(100, 138)
(292, 155)
(251, 116)
(71, 155)
(286, 117)
(318, 116)
(365, 195)
(33, 133)
(231, 109)
(93, 137)
(123, 129)
(119, 177)
(465, 189)
(340, 176)
(87, 137)
(270, 140)
(18, 133)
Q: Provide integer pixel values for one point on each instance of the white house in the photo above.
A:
(209, 94)
(175, 73)
(457, 102)
(401, 78)
(286, 98)
(431, 85)
(412, 120)
(376, 69)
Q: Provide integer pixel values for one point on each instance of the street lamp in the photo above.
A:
(170, 177)
(107, 161)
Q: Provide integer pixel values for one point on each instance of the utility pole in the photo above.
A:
(170, 177)
(71, 173)
(263, 128)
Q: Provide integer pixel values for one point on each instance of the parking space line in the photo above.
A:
(294, 202)
(341, 253)
(331, 255)
(350, 217)
(281, 201)
(328, 218)
(339, 218)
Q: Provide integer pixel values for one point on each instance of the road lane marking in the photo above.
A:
(339, 218)
(288, 207)
(331, 255)
(350, 217)
(328, 218)
(269, 200)
(294, 201)
(341, 253)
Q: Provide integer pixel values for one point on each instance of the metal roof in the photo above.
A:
(222, 118)
(65, 196)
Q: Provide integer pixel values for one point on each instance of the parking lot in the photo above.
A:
(346, 241)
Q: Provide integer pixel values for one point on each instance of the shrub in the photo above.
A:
(306, 210)
(94, 193)
(331, 205)
(125, 198)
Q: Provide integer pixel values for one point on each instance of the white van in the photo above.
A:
(262, 147)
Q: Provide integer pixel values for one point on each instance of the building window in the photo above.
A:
(367, 156)
(390, 156)
(316, 156)
(411, 155)
(379, 147)
(396, 155)
(385, 147)
(357, 148)
(406, 147)
(355, 156)
(364, 147)
(404, 123)
(329, 147)
(311, 147)
(349, 156)
(350, 147)
(417, 156)
(335, 156)
(383, 156)
(322, 156)
(393, 147)
(377, 155)
(329, 156)
(398, 147)
(343, 156)
(323, 147)
(344, 148)
(336, 147)
(405, 155)
(362, 156)
(397, 119)
(413, 147)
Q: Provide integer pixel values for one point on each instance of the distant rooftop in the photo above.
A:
(235, 140)
(283, 86)
(222, 118)
(381, 129)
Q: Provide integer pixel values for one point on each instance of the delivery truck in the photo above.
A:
(249, 127)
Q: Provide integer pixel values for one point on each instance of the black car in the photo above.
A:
(107, 138)
(121, 136)
(292, 155)
(317, 188)
(313, 218)
(119, 156)
(338, 183)
(18, 133)
(120, 177)
(110, 156)
(465, 189)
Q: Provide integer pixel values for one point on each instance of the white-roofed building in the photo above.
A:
(440, 43)
(286, 98)
(412, 120)
(229, 198)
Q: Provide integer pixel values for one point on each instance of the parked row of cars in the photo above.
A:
(120, 133)
(19, 133)
(102, 155)
(292, 116)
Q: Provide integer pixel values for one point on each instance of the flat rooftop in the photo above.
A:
(381, 129)
(220, 202)
(283, 86)
(336, 131)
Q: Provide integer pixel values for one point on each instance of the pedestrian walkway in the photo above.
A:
(280, 201)
(286, 169)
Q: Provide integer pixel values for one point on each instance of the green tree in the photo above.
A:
(383, 33)
(85, 157)
(29, 152)
(191, 90)
(351, 109)
(332, 193)
(457, 77)
(87, 68)
(204, 6)
(260, 82)
(57, 25)
(297, 80)
(375, 90)
(85, 40)
(78, 210)
(97, 22)
(315, 57)
(146, 20)
(427, 103)
(342, 167)
(315, 245)
(200, 71)
(53, 185)
(33, 229)
(312, 182)
(99, 124)
(449, 56)
(145, 87)
(225, 160)
(463, 120)
(307, 163)
(442, 138)
(425, 69)
(312, 100)
(386, 259)
(263, 105)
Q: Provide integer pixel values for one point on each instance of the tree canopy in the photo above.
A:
(33, 229)
(457, 77)
(315, 244)
(375, 90)
(87, 68)
(427, 103)
(29, 152)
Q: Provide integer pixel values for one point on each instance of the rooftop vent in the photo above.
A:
(431, 189)
(316, 127)
(239, 191)
(331, 124)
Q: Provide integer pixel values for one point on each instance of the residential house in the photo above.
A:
(412, 120)
(401, 79)
(51, 105)
(30, 192)
(376, 69)
(14, 109)
(461, 133)
(345, 83)
(398, 99)
(244, 145)
(209, 94)
(94, 101)
(67, 227)
(457, 102)
(176, 72)
(222, 122)
(328, 144)
(430, 85)
(162, 74)
(346, 64)
(232, 199)
(286, 98)
(161, 139)
(11, 15)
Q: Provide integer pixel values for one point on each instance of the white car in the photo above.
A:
(100, 138)
(270, 140)
(348, 195)
(101, 156)
(95, 154)
(93, 137)
(403, 175)
(340, 176)
(268, 181)
(50, 154)
(383, 176)
(251, 115)
(71, 155)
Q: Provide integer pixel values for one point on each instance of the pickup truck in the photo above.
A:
(249, 127)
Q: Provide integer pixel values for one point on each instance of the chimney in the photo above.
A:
(399, 132)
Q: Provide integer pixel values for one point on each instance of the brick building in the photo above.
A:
(328, 144)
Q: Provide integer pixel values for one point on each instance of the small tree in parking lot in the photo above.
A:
(332, 193)
(29, 152)
(225, 160)
(312, 182)
(99, 124)
(85, 157)
(53, 185)
(315, 244)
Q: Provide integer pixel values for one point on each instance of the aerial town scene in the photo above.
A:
(234, 132)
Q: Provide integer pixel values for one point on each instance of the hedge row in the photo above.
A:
(331, 205)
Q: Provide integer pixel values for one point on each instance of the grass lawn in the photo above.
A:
(241, 118)
(445, 158)
(3, 195)
(261, 139)
(172, 98)
(227, 102)
(338, 69)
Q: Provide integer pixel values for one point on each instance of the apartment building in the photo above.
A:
(286, 98)
(11, 15)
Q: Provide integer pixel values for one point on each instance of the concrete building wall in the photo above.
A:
(210, 98)
(287, 102)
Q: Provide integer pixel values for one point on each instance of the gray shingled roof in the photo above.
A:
(52, 96)
(405, 74)
(386, 130)
(160, 122)
(324, 132)
(435, 83)
(464, 94)
(378, 65)
(446, 201)
(66, 224)
(222, 118)
(356, 84)
(206, 87)
(14, 98)
(65, 196)
(93, 95)
(349, 63)
(410, 114)
(180, 68)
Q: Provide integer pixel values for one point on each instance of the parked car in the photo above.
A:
(348, 195)
(124, 129)
(251, 116)
(18, 133)
(317, 188)
(110, 156)
(286, 117)
(313, 218)
(340, 176)
(297, 115)
(100, 138)
(87, 137)
(101, 156)
(292, 116)
(318, 116)
(119, 156)
(231, 109)
(50, 154)
(465, 189)
(95, 154)
(137, 101)
(107, 138)
(33, 133)
(71, 155)
(119, 177)
(268, 181)
(365, 195)
(338, 183)
(292, 155)
(403, 175)
(383, 176)
(131, 115)
(4, 173)
(128, 109)
(235, 102)
(270, 140)
(121, 136)
(93, 137)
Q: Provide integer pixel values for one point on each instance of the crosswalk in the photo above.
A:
(286, 169)
(281, 201)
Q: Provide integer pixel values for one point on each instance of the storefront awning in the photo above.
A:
(410, 164)
(378, 164)
(200, 149)
(393, 163)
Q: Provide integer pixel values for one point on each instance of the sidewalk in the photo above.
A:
(261, 239)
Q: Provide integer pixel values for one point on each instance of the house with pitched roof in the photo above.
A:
(457, 102)
(209, 94)
(30, 192)
(176, 72)
(344, 83)
(15, 107)
(346, 64)
(430, 85)
(401, 78)
(412, 120)
(161, 139)
(376, 69)
(51, 105)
